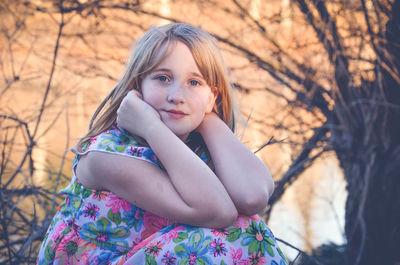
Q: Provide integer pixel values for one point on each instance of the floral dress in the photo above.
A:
(98, 227)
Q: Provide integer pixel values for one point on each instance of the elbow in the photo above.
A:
(254, 200)
(253, 203)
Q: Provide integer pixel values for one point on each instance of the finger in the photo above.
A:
(138, 94)
(134, 92)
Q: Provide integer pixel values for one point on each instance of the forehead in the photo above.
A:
(177, 52)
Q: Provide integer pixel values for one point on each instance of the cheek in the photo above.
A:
(201, 106)
(151, 98)
(151, 95)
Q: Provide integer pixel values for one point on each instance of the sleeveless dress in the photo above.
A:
(98, 227)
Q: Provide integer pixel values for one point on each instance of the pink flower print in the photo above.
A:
(152, 224)
(145, 241)
(168, 258)
(139, 244)
(255, 218)
(218, 248)
(56, 236)
(220, 232)
(71, 223)
(116, 203)
(102, 237)
(192, 258)
(154, 248)
(170, 235)
(138, 214)
(237, 256)
(99, 195)
(73, 250)
(91, 210)
(136, 241)
(256, 259)
(92, 140)
(244, 221)
(137, 151)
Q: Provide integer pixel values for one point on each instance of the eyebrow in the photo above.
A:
(169, 71)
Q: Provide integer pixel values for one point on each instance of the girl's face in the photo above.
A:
(177, 90)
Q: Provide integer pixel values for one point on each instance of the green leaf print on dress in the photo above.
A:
(258, 238)
(234, 234)
(102, 234)
(195, 250)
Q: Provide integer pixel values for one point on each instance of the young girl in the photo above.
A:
(160, 177)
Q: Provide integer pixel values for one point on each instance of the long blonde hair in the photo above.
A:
(148, 53)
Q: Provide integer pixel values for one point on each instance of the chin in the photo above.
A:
(182, 134)
(179, 133)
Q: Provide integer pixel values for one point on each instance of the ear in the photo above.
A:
(211, 101)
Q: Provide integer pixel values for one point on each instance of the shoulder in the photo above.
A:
(120, 142)
(112, 156)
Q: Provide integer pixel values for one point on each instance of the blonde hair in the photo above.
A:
(148, 53)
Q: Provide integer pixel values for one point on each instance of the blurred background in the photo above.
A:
(317, 92)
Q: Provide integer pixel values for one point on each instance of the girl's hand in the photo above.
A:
(135, 115)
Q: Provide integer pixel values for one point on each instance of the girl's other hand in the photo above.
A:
(135, 115)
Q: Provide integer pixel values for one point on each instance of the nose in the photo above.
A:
(175, 94)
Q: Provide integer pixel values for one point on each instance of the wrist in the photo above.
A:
(153, 129)
(209, 121)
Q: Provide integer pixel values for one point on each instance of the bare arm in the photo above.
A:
(245, 177)
(188, 192)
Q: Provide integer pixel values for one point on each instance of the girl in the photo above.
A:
(160, 177)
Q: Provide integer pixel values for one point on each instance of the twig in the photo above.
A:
(300, 252)
(270, 141)
(55, 53)
(245, 125)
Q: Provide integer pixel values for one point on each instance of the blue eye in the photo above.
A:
(194, 83)
(162, 78)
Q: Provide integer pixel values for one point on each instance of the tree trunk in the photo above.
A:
(372, 221)
(370, 159)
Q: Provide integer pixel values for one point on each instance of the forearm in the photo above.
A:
(194, 181)
(245, 177)
(146, 186)
(199, 195)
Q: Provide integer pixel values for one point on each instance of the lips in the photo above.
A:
(176, 111)
(175, 114)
